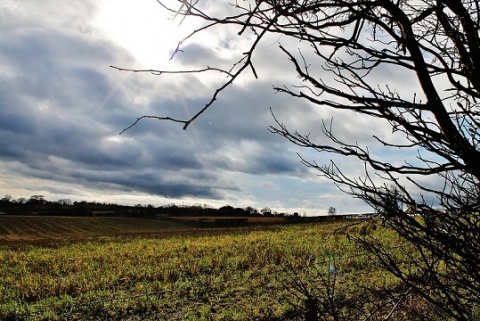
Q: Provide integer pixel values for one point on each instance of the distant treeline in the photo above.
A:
(38, 205)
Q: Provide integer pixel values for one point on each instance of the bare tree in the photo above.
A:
(332, 211)
(438, 42)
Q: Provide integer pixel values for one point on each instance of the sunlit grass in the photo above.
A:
(222, 276)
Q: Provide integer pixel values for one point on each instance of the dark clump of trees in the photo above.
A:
(39, 205)
(339, 49)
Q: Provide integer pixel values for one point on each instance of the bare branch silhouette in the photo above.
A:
(339, 47)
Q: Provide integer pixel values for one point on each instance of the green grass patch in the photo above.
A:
(206, 274)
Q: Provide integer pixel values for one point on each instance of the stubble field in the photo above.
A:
(140, 269)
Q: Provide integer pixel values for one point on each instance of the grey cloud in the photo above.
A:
(62, 109)
(200, 55)
(238, 123)
(278, 163)
(193, 54)
(155, 184)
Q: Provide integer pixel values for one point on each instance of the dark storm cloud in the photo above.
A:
(150, 183)
(64, 75)
(14, 119)
(62, 108)
(158, 185)
(60, 104)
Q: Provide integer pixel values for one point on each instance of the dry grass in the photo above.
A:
(35, 228)
(249, 219)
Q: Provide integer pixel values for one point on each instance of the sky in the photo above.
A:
(62, 108)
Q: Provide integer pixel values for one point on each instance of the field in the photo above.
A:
(56, 268)
(229, 221)
(36, 228)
